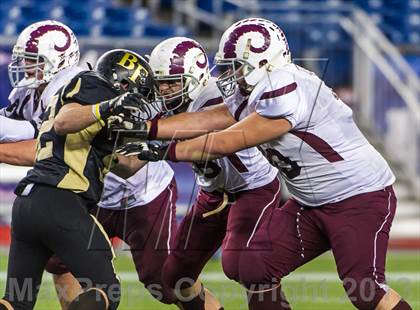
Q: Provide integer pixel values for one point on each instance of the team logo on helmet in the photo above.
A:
(177, 62)
(229, 48)
(32, 44)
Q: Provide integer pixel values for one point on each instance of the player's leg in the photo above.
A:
(198, 237)
(82, 245)
(27, 256)
(91, 299)
(148, 230)
(287, 240)
(359, 236)
(250, 209)
(66, 285)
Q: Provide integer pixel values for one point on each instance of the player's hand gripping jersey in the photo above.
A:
(324, 158)
(73, 161)
(244, 170)
(138, 190)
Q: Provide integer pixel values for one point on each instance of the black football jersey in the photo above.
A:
(73, 161)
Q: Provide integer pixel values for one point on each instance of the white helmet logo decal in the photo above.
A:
(229, 48)
(32, 44)
(177, 62)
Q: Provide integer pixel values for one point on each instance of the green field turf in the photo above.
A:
(314, 286)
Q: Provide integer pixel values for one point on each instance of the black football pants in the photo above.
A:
(50, 220)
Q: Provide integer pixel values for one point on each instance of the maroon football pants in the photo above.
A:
(355, 229)
(215, 220)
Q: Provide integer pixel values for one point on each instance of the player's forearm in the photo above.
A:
(251, 131)
(73, 118)
(18, 153)
(210, 146)
(194, 124)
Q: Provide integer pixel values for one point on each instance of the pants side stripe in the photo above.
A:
(261, 215)
(381, 285)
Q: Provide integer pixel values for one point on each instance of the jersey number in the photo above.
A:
(45, 149)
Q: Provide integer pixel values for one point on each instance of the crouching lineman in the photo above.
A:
(237, 192)
(341, 187)
(50, 213)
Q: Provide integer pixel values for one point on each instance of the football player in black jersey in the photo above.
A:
(50, 214)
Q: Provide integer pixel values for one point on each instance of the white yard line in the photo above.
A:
(295, 277)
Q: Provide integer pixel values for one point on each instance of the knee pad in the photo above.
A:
(230, 264)
(245, 267)
(56, 266)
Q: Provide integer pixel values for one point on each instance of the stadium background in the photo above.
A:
(368, 51)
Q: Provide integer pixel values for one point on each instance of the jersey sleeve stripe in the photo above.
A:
(213, 101)
(319, 145)
(279, 92)
(240, 109)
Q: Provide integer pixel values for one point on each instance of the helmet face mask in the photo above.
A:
(181, 67)
(42, 50)
(28, 69)
(176, 95)
(233, 73)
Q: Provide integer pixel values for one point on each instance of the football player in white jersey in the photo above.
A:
(341, 187)
(44, 57)
(235, 192)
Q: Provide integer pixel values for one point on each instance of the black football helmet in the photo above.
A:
(127, 71)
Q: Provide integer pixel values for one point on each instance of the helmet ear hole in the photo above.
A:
(125, 85)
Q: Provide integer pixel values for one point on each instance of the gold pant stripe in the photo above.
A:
(101, 228)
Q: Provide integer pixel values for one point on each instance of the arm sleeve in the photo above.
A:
(13, 130)
(281, 101)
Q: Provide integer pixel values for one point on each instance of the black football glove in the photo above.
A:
(126, 103)
(127, 126)
(149, 151)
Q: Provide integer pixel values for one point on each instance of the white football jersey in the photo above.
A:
(24, 104)
(324, 158)
(244, 170)
(27, 104)
(24, 114)
(139, 189)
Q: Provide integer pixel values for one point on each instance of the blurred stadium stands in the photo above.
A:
(372, 61)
